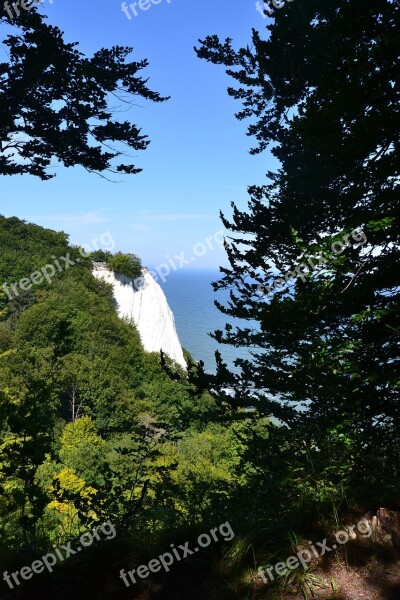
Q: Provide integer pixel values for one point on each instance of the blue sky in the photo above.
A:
(198, 160)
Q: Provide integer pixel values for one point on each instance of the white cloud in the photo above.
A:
(141, 227)
(149, 216)
(83, 219)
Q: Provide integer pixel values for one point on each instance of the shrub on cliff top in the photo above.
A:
(128, 265)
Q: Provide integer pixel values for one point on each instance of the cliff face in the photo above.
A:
(148, 309)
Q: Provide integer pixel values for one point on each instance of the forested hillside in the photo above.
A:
(286, 468)
(97, 433)
(92, 427)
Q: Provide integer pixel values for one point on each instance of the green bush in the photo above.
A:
(129, 265)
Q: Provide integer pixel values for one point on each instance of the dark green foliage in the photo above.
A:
(128, 265)
(322, 91)
(55, 102)
(100, 255)
(91, 426)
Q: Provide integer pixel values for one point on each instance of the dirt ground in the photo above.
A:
(378, 580)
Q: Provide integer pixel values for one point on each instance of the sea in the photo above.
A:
(191, 298)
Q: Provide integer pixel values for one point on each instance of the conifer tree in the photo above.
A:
(314, 258)
(57, 105)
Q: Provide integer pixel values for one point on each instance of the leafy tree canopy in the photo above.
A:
(128, 265)
(322, 90)
(56, 103)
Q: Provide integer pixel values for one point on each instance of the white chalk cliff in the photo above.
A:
(148, 309)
